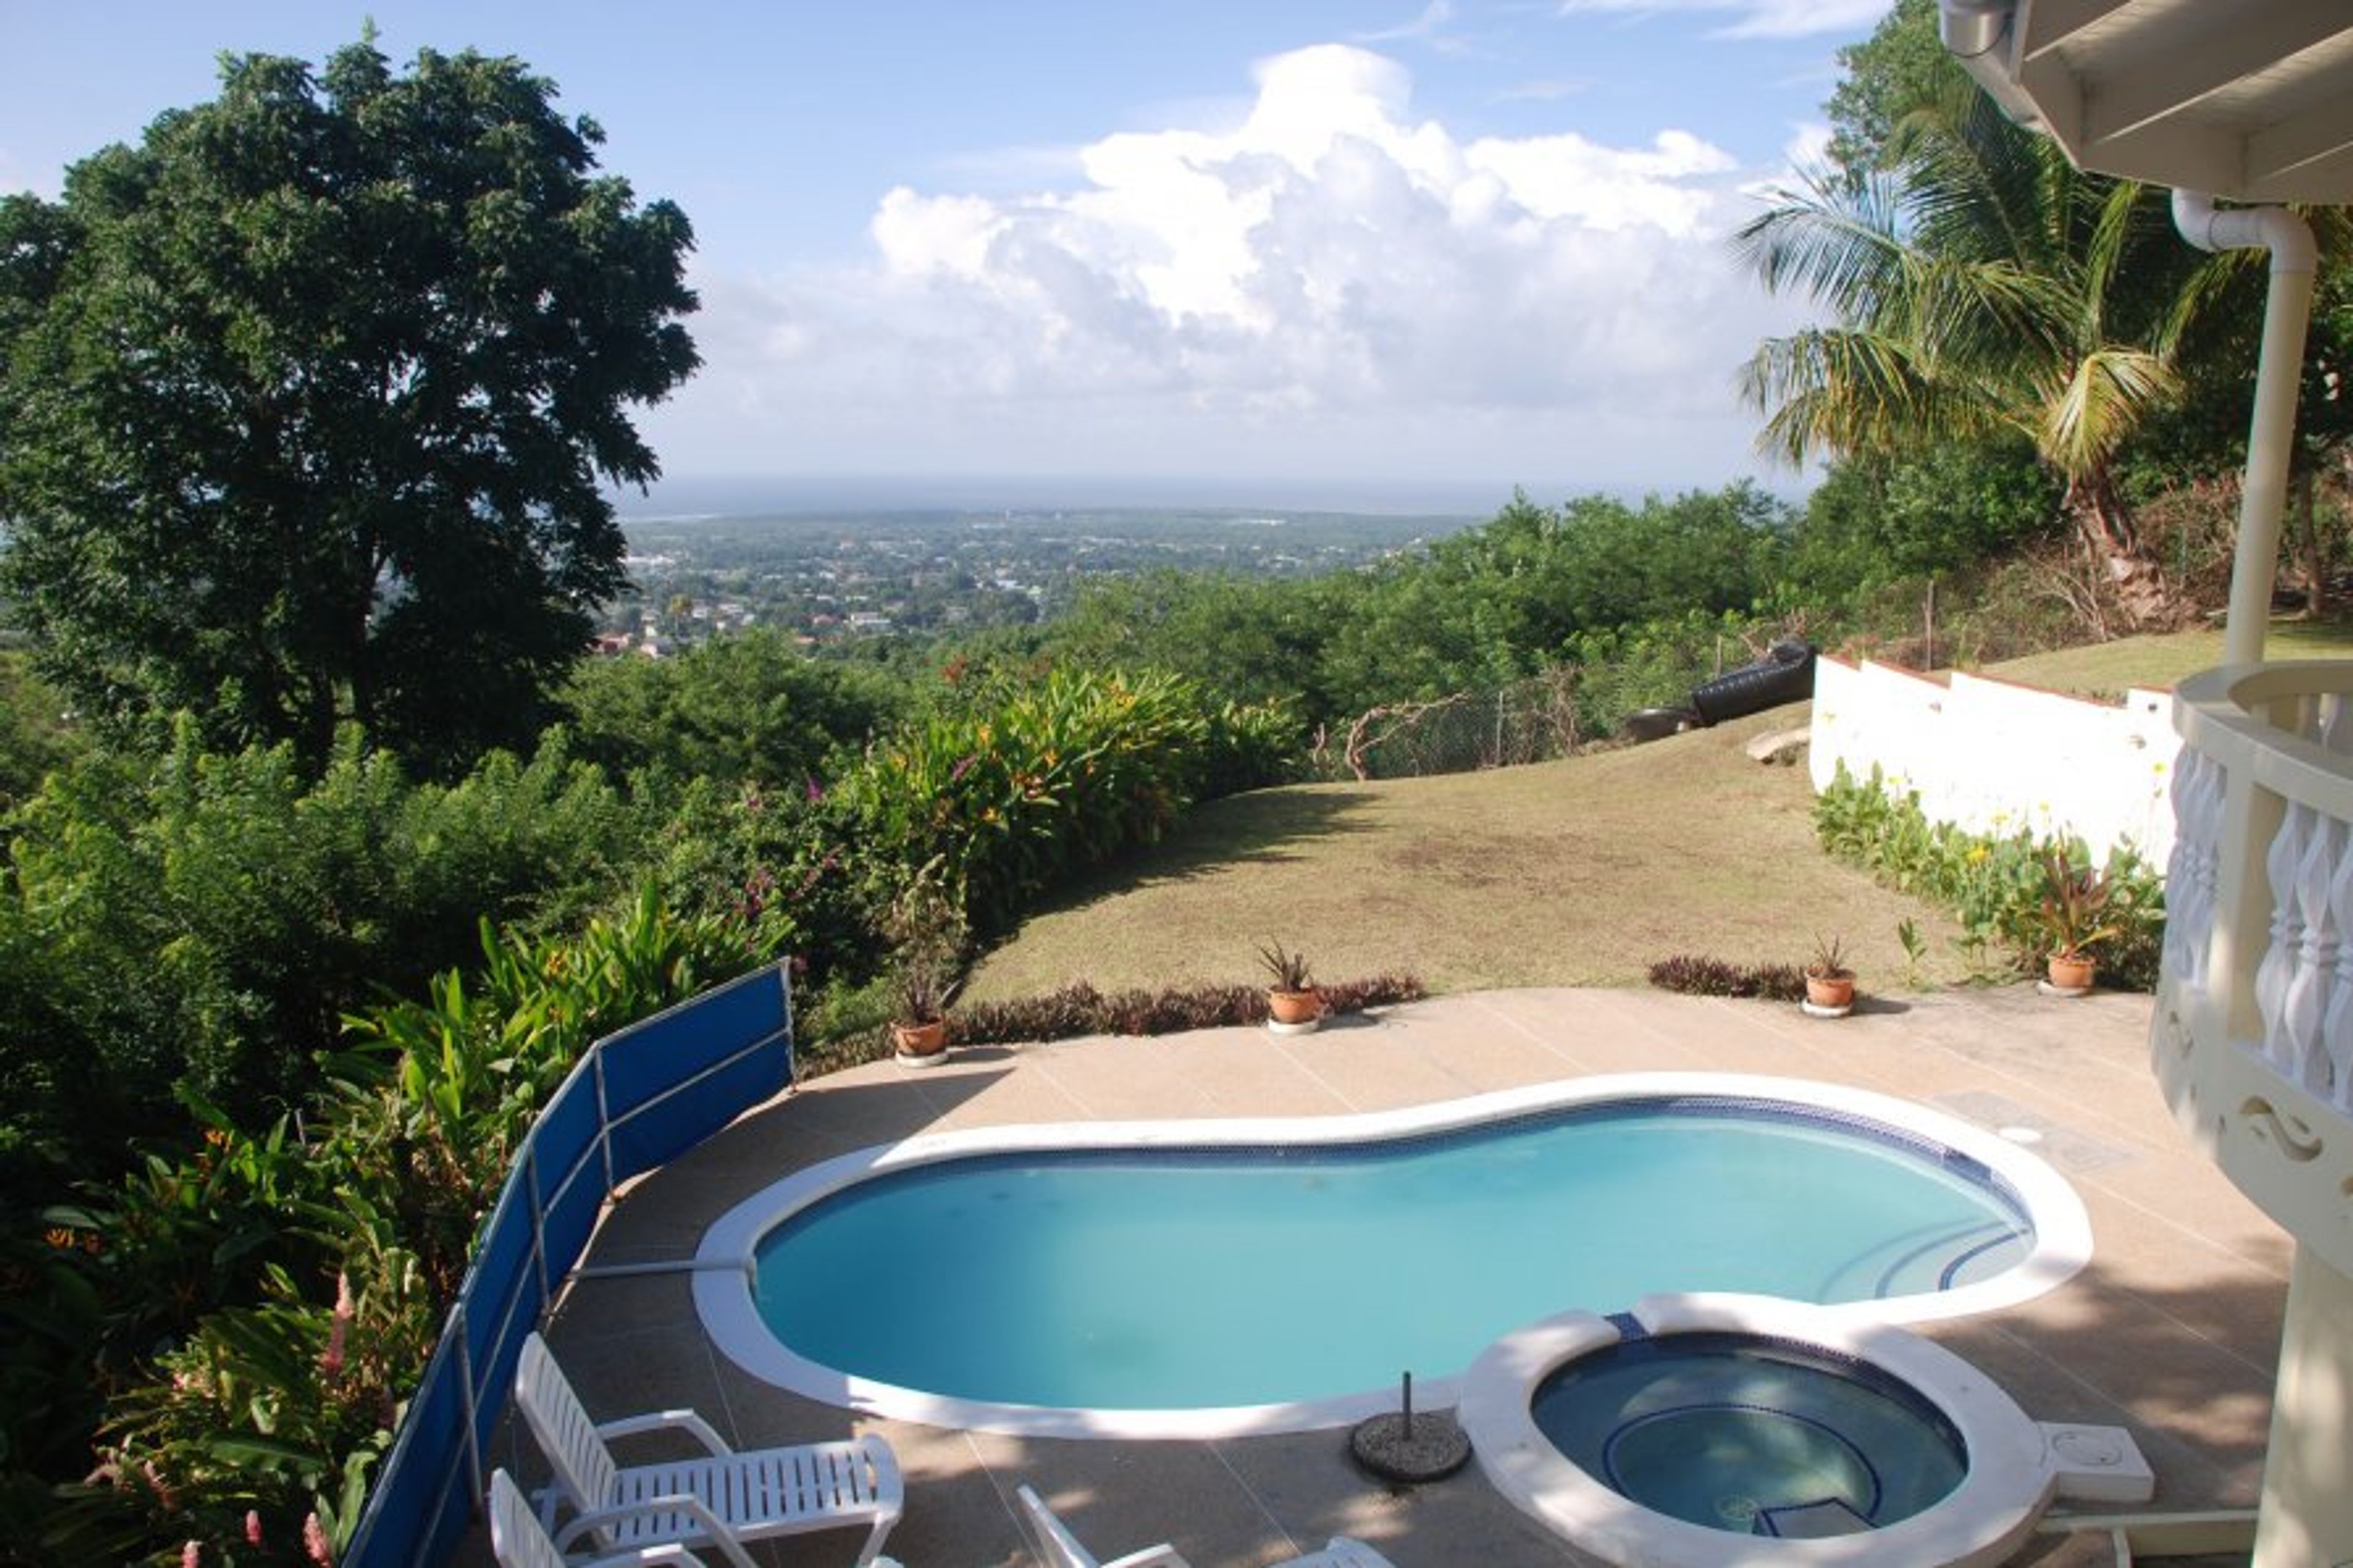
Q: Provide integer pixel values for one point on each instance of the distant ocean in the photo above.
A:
(784, 496)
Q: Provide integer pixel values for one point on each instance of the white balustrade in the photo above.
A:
(2190, 879)
(2253, 1035)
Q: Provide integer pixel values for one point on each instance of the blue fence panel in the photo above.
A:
(666, 1084)
(420, 1506)
(647, 1060)
(501, 1265)
(571, 1217)
(565, 1132)
(662, 1129)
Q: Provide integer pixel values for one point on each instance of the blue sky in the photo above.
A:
(1308, 248)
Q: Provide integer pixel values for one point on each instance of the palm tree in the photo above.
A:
(1979, 284)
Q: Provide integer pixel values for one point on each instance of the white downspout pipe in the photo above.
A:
(2271, 430)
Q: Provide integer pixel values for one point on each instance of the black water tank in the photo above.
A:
(1786, 674)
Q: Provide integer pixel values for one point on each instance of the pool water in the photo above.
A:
(1755, 1437)
(1215, 1278)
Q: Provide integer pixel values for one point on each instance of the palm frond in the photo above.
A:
(2108, 394)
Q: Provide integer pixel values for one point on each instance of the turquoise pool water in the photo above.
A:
(1189, 1279)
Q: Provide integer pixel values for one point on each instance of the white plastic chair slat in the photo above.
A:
(755, 1494)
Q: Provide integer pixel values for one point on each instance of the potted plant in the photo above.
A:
(2072, 920)
(1291, 1000)
(927, 931)
(1830, 984)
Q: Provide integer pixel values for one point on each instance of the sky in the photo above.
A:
(1370, 254)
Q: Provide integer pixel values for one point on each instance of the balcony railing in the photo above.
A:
(2253, 1040)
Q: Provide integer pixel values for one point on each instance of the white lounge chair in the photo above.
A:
(519, 1541)
(1056, 1547)
(749, 1496)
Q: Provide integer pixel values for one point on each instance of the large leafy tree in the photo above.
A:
(1979, 286)
(308, 403)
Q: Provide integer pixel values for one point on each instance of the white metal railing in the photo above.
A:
(2254, 1033)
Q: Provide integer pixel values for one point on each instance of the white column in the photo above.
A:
(2307, 1508)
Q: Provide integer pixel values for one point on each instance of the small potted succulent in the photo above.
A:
(927, 931)
(1292, 1002)
(1830, 983)
(2072, 920)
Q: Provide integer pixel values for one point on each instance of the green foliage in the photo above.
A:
(1997, 886)
(1285, 971)
(37, 739)
(311, 397)
(1878, 521)
(1903, 66)
(203, 920)
(926, 930)
(1469, 612)
(1624, 669)
(1979, 286)
(1062, 773)
(307, 1279)
(748, 708)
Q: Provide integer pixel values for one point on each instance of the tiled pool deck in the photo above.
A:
(2172, 1330)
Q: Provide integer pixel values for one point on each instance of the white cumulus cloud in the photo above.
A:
(1330, 281)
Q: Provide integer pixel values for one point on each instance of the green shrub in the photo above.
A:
(1065, 773)
(203, 920)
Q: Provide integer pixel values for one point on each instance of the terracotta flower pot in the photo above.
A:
(1831, 991)
(923, 1043)
(2070, 972)
(1294, 1006)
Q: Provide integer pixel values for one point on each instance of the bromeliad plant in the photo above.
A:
(926, 928)
(2073, 916)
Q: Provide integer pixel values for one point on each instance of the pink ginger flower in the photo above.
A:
(253, 1526)
(192, 1554)
(314, 1542)
(330, 1360)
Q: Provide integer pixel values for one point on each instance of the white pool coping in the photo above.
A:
(725, 1261)
(2011, 1475)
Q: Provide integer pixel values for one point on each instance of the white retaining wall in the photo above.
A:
(1995, 757)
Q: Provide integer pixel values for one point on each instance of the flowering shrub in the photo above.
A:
(248, 1431)
(1995, 885)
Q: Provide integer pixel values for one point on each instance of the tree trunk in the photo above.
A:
(2307, 537)
(2103, 520)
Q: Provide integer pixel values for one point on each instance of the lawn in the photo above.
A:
(1581, 872)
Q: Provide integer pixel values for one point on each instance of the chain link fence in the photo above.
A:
(1533, 720)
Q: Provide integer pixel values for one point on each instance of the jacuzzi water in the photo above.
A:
(1174, 1279)
(1754, 1437)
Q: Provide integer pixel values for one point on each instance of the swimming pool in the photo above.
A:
(1205, 1277)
